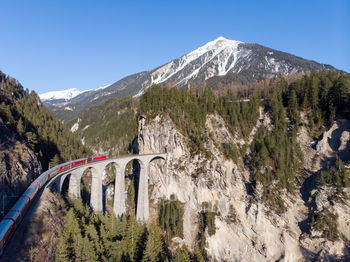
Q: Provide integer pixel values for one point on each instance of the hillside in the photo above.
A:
(31, 138)
(109, 127)
(119, 115)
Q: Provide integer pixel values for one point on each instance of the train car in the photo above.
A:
(31, 191)
(42, 179)
(15, 216)
(65, 166)
(11, 220)
(99, 158)
(22, 205)
(6, 231)
(79, 162)
(84, 161)
(53, 172)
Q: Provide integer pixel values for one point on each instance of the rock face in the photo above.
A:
(18, 168)
(246, 228)
(336, 141)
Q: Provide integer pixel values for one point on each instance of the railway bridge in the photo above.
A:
(97, 169)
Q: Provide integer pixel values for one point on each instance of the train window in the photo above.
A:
(78, 163)
(64, 168)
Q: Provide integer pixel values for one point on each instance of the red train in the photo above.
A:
(12, 219)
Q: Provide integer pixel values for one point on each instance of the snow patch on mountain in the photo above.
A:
(103, 87)
(63, 94)
(67, 94)
(75, 127)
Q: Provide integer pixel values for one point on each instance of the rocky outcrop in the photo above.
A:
(18, 167)
(246, 228)
(336, 141)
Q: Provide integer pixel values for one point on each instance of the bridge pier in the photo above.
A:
(119, 207)
(96, 189)
(142, 210)
(57, 183)
(74, 183)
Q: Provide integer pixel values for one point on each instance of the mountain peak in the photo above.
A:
(219, 50)
(221, 38)
(221, 42)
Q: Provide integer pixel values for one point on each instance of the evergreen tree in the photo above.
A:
(133, 236)
(62, 251)
(20, 127)
(181, 254)
(88, 252)
(54, 161)
(293, 108)
(154, 250)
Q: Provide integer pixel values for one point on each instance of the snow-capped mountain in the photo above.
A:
(61, 95)
(221, 52)
(66, 94)
(221, 58)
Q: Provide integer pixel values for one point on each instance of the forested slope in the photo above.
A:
(34, 124)
(31, 140)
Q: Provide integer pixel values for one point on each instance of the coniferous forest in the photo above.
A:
(274, 157)
(103, 237)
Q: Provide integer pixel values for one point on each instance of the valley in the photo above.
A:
(254, 168)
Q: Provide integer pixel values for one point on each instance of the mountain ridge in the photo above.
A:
(218, 58)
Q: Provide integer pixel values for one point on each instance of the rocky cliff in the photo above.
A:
(246, 228)
(18, 167)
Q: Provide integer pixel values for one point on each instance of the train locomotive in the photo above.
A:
(16, 214)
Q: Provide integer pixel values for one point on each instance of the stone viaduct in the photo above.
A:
(97, 169)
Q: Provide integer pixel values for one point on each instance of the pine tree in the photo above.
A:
(94, 238)
(20, 127)
(62, 251)
(293, 108)
(198, 257)
(54, 161)
(182, 254)
(154, 250)
(88, 252)
(133, 235)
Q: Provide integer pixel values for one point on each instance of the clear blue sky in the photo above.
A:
(55, 45)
